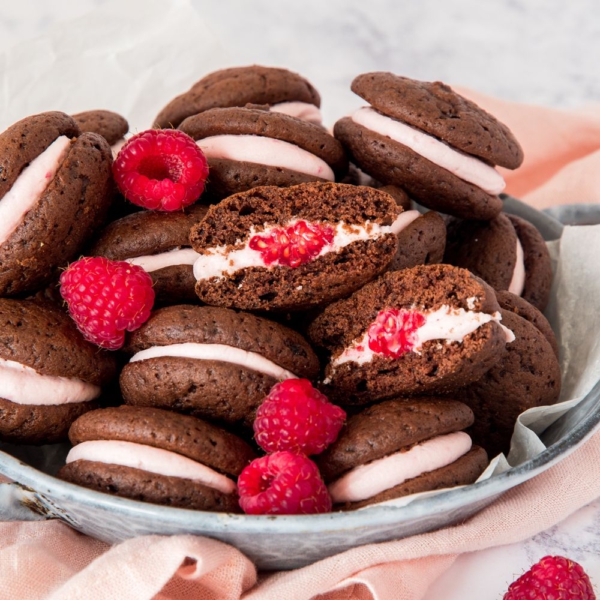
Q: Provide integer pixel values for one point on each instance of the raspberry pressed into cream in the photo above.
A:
(23, 385)
(300, 110)
(368, 480)
(222, 261)
(265, 151)
(446, 323)
(173, 258)
(29, 187)
(462, 165)
(219, 352)
(153, 460)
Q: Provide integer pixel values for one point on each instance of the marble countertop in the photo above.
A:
(486, 575)
(536, 51)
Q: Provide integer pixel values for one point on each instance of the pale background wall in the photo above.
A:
(539, 51)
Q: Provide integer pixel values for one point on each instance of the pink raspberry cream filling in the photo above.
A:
(172, 258)
(301, 110)
(30, 185)
(265, 151)
(152, 460)
(517, 282)
(219, 352)
(468, 168)
(366, 481)
(292, 244)
(23, 385)
(398, 331)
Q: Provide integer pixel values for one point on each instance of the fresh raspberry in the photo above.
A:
(554, 577)
(297, 417)
(161, 169)
(294, 245)
(106, 297)
(394, 332)
(282, 483)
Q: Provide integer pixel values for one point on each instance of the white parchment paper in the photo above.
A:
(133, 57)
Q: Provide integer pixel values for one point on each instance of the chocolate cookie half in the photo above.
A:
(401, 447)
(49, 375)
(249, 147)
(507, 252)
(157, 456)
(214, 363)
(159, 243)
(429, 140)
(421, 242)
(527, 375)
(55, 189)
(110, 125)
(290, 249)
(521, 307)
(428, 329)
(282, 90)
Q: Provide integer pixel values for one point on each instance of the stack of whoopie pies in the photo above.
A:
(425, 325)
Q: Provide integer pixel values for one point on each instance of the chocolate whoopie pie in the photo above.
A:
(401, 447)
(507, 252)
(291, 249)
(159, 243)
(527, 375)
(213, 363)
(251, 147)
(432, 328)
(55, 189)
(157, 456)
(521, 307)
(421, 242)
(282, 90)
(49, 374)
(429, 140)
(110, 125)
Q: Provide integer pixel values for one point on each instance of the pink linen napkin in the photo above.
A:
(49, 560)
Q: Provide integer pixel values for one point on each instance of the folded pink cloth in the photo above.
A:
(561, 147)
(48, 559)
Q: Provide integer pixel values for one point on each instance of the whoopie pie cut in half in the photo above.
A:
(428, 329)
(292, 249)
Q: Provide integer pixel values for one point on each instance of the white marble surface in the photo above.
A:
(537, 51)
(486, 575)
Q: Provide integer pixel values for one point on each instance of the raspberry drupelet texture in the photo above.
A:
(554, 577)
(282, 483)
(297, 417)
(161, 169)
(393, 332)
(107, 298)
(294, 245)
